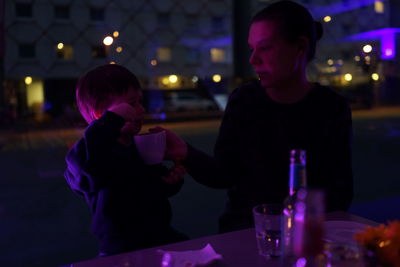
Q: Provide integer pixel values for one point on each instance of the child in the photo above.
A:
(127, 198)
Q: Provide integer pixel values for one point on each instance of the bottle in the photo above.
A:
(297, 181)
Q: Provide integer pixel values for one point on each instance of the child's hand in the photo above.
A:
(133, 117)
(175, 175)
(124, 110)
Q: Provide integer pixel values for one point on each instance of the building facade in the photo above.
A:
(50, 43)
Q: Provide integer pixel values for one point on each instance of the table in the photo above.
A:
(238, 249)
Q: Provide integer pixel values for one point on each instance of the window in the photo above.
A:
(217, 24)
(61, 12)
(163, 20)
(192, 56)
(192, 25)
(65, 52)
(99, 52)
(379, 6)
(97, 14)
(27, 50)
(164, 54)
(23, 10)
(217, 55)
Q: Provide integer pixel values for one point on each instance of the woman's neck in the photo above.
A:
(290, 93)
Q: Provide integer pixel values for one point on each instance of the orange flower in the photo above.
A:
(384, 241)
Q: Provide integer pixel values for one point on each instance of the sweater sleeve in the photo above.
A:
(221, 170)
(90, 163)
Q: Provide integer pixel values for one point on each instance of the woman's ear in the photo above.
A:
(303, 45)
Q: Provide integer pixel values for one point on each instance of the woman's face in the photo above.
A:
(275, 60)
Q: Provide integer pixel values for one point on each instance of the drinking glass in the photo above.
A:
(267, 221)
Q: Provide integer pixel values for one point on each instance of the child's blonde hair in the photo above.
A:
(97, 89)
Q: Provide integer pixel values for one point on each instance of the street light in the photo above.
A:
(348, 77)
(375, 76)
(108, 40)
(173, 78)
(28, 80)
(216, 78)
(327, 18)
(367, 48)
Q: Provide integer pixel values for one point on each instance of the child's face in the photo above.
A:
(134, 117)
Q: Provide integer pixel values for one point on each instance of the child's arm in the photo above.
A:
(91, 162)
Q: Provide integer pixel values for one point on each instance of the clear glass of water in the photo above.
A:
(267, 222)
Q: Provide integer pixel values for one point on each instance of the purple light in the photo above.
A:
(388, 52)
(301, 262)
(320, 11)
(212, 42)
(386, 36)
(388, 45)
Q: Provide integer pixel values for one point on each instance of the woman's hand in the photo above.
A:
(176, 174)
(176, 149)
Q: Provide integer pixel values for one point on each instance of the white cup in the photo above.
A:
(151, 147)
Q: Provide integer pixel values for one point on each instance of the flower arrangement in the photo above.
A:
(383, 241)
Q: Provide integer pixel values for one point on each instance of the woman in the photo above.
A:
(264, 120)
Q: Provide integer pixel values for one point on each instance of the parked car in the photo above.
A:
(188, 101)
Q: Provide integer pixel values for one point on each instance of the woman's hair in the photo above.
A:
(97, 89)
(294, 21)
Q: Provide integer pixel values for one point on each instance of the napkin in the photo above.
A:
(191, 258)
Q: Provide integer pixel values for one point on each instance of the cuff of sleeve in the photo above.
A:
(109, 123)
(113, 119)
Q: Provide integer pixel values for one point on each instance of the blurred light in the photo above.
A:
(387, 37)
(375, 76)
(118, 49)
(301, 262)
(28, 80)
(112, 62)
(173, 78)
(165, 81)
(330, 62)
(164, 54)
(218, 55)
(357, 58)
(348, 77)
(367, 59)
(195, 79)
(327, 18)
(153, 62)
(388, 52)
(108, 40)
(216, 78)
(60, 46)
(379, 6)
(116, 34)
(367, 48)
(340, 61)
